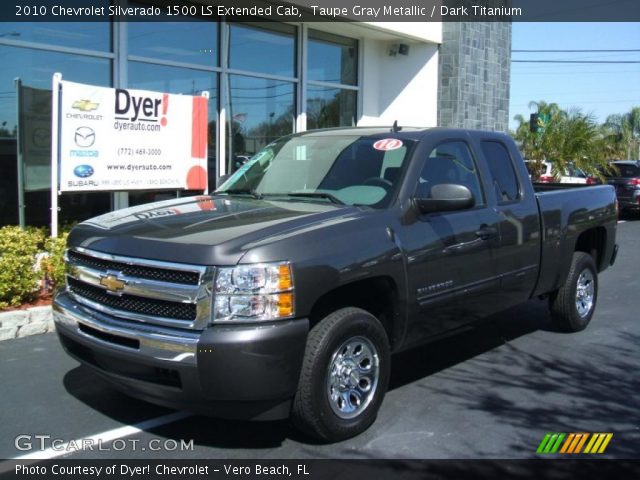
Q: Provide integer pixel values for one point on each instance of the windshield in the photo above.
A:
(624, 170)
(345, 169)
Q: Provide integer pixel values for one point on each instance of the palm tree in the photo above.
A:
(568, 138)
(625, 129)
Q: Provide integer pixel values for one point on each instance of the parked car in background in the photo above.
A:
(546, 175)
(625, 177)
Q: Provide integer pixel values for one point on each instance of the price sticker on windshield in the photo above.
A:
(387, 144)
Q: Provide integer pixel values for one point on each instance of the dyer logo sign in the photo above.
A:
(139, 108)
(141, 140)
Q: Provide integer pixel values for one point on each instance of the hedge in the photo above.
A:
(27, 258)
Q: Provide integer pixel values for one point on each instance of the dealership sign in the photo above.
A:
(121, 139)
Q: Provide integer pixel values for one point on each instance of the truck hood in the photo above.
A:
(204, 230)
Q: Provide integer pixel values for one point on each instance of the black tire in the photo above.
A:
(568, 313)
(315, 411)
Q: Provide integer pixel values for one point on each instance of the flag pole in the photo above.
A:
(55, 150)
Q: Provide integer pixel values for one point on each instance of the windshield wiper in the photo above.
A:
(328, 196)
(240, 191)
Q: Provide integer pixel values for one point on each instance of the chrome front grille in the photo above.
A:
(133, 270)
(140, 290)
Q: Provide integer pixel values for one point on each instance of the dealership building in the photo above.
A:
(264, 80)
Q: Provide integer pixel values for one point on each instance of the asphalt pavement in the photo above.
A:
(493, 392)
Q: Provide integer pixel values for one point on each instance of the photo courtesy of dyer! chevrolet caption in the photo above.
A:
(286, 292)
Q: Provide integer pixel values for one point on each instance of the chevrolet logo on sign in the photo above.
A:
(85, 105)
(112, 283)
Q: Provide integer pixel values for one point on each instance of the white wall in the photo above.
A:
(424, 31)
(402, 88)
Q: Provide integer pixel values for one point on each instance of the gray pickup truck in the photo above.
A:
(286, 291)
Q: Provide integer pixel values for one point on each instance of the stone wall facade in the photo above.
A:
(22, 323)
(475, 69)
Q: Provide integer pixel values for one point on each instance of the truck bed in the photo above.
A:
(565, 212)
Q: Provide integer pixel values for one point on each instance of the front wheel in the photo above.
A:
(573, 305)
(344, 376)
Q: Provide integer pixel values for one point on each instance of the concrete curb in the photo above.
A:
(22, 323)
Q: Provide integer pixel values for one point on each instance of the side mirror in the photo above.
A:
(446, 197)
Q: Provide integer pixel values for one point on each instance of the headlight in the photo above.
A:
(248, 293)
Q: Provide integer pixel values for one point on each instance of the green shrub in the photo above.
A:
(19, 275)
(53, 264)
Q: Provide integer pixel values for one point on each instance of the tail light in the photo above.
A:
(546, 179)
(635, 182)
(591, 181)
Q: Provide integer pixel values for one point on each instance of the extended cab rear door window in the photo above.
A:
(450, 162)
(503, 174)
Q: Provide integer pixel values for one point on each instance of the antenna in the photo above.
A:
(395, 127)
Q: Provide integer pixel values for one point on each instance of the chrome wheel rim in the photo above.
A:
(584, 293)
(352, 377)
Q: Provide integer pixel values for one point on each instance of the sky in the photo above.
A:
(601, 89)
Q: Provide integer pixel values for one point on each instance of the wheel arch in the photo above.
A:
(376, 295)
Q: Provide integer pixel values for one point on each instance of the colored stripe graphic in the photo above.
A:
(598, 443)
(199, 127)
(550, 443)
(578, 442)
(574, 443)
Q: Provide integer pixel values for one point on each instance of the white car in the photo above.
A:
(571, 175)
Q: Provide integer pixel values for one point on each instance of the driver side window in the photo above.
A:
(450, 162)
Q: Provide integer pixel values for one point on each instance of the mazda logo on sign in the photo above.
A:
(84, 137)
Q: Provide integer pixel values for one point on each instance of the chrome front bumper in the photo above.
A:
(154, 342)
(235, 371)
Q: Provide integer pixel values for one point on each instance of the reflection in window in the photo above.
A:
(330, 107)
(35, 69)
(257, 48)
(85, 35)
(332, 58)
(185, 81)
(191, 40)
(450, 162)
(502, 171)
(260, 111)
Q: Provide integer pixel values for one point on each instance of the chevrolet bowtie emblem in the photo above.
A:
(112, 283)
(85, 105)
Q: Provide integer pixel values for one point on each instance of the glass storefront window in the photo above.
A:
(332, 58)
(264, 49)
(330, 107)
(192, 40)
(260, 111)
(35, 69)
(161, 78)
(85, 35)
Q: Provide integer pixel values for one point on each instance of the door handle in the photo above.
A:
(486, 232)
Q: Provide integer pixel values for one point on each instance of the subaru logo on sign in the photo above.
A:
(83, 171)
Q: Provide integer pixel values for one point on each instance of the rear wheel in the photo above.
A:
(573, 305)
(344, 376)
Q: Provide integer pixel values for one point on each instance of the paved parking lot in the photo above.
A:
(492, 392)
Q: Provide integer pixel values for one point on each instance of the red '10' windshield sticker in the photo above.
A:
(387, 144)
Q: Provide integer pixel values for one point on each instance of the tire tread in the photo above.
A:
(563, 309)
(303, 411)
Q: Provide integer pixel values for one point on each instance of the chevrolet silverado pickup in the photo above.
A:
(286, 291)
